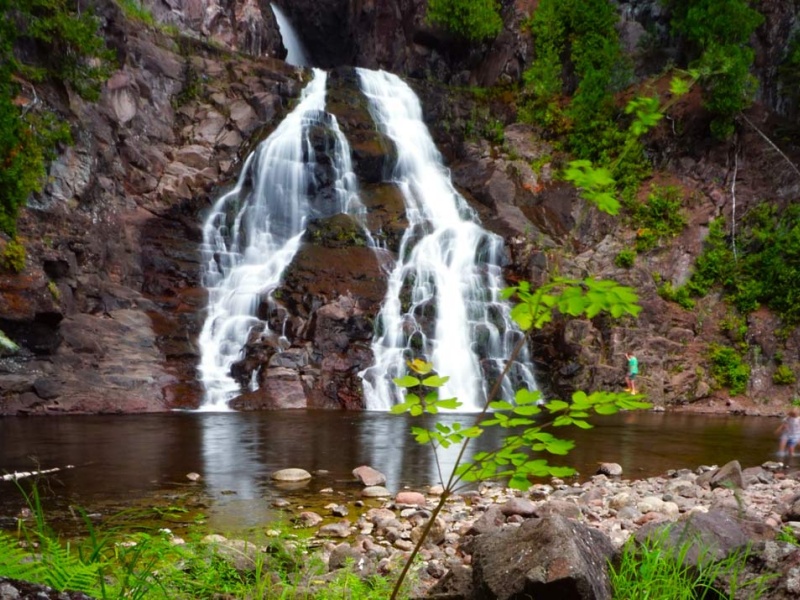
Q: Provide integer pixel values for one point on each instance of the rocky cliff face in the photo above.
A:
(108, 309)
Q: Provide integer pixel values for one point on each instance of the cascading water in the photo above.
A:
(295, 52)
(442, 301)
(254, 231)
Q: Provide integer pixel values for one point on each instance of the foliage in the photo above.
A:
(583, 30)
(656, 570)
(596, 182)
(679, 295)
(728, 369)
(69, 46)
(786, 534)
(718, 34)
(526, 416)
(13, 257)
(784, 375)
(135, 11)
(473, 20)
(715, 264)
(625, 258)
(660, 216)
(61, 45)
(578, 53)
(766, 270)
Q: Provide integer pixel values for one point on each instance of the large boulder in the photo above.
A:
(550, 558)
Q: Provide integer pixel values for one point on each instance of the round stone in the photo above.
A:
(291, 475)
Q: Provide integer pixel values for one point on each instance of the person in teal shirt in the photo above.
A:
(633, 371)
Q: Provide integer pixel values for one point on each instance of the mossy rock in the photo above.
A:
(338, 231)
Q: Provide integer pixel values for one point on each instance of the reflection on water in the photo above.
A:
(121, 458)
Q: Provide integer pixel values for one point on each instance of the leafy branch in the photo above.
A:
(517, 456)
(596, 183)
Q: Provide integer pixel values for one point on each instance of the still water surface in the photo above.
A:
(121, 460)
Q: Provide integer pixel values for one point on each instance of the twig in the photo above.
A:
(771, 143)
(733, 198)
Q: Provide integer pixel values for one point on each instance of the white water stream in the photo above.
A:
(254, 231)
(442, 302)
(295, 52)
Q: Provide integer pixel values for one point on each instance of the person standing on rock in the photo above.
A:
(789, 430)
(633, 371)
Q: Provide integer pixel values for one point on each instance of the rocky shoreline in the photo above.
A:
(494, 542)
(727, 508)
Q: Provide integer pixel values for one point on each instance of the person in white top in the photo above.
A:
(789, 430)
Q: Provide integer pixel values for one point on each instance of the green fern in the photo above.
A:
(17, 562)
(66, 571)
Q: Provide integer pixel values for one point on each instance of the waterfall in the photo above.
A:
(295, 52)
(253, 232)
(442, 301)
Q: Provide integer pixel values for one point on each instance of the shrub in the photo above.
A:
(783, 375)
(717, 33)
(660, 216)
(679, 295)
(473, 20)
(13, 257)
(766, 270)
(625, 258)
(728, 369)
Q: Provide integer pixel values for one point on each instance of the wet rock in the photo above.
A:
(292, 474)
(369, 476)
(375, 491)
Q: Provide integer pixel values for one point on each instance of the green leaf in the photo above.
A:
(521, 315)
(435, 381)
(422, 436)
(560, 447)
(526, 396)
(527, 411)
(406, 381)
(472, 432)
(679, 86)
(399, 409)
(506, 293)
(519, 481)
(501, 405)
(449, 403)
(606, 409)
(556, 405)
(416, 410)
(431, 397)
(562, 471)
(581, 424)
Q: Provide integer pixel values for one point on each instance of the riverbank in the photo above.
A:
(370, 530)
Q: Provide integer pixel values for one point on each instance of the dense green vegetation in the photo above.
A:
(61, 44)
(657, 219)
(570, 85)
(765, 267)
(717, 35)
(473, 20)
